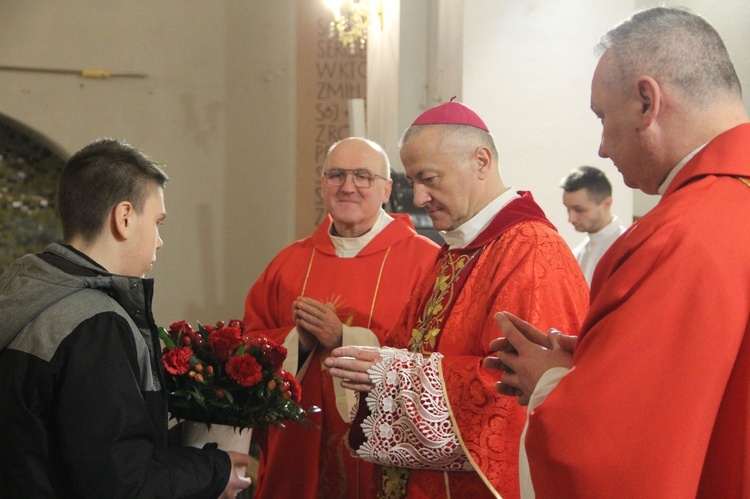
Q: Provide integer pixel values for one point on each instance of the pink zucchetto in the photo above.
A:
(451, 113)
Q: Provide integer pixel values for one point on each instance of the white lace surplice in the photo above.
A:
(409, 424)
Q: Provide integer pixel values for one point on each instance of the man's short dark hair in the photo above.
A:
(97, 178)
(589, 178)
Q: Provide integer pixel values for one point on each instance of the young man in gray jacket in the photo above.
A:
(83, 409)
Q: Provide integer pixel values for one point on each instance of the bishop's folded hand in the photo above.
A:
(352, 364)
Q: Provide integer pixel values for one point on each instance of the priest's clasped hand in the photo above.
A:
(352, 364)
(525, 354)
(317, 321)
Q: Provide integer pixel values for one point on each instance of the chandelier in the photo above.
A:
(352, 19)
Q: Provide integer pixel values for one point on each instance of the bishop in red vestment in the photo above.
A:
(430, 418)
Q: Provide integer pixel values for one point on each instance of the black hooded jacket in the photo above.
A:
(82, 410)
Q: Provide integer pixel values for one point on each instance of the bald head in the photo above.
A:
(355, 183)
(363, 144)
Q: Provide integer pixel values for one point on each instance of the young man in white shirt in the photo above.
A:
(587, 195)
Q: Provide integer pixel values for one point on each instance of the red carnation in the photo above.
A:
(244, 369)
(225, 341)
(177, 360)
(294, 387)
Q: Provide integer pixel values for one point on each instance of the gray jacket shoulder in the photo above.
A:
(43, 335)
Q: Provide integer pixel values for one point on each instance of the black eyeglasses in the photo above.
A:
(362, 178)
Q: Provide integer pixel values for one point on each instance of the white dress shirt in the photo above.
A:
(591, 250)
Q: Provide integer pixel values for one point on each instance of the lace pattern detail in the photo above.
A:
(409, 424)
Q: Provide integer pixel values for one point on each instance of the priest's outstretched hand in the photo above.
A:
(317, 321)
(525, 354)
(352, 364)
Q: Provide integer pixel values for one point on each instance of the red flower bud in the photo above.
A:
(186, 340)
(180, 326)
(285, 386)
(192, 374)
(219, 393)
(271, 385)
(219, 324)
(287, 395)
(199, 367)
(199, 378)
(209, 369)
(238, 324)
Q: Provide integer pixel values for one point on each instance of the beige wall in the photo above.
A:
(217, 108)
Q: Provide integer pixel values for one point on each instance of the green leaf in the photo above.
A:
(164, 336)
(229, 396)
(198, 396)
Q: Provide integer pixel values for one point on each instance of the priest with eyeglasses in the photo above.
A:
(344, 285)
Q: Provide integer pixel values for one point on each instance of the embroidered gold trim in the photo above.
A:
(377, 287)
(307, 275)
(393, 482)
(743, 180)
(433, 314)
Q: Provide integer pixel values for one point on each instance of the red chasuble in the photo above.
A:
(369, 290)
(519, 264)
(658, 402)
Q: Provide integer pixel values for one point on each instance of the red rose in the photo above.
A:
(294, 388)
(225, 341)
(244, 369)
(177, 360)
(180, 327)
(272, 354)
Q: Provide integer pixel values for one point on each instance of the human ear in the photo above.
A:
(649, 93)
(483, 159)
(122, 215)
(387, 191)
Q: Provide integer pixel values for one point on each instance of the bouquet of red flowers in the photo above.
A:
(220, 375)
